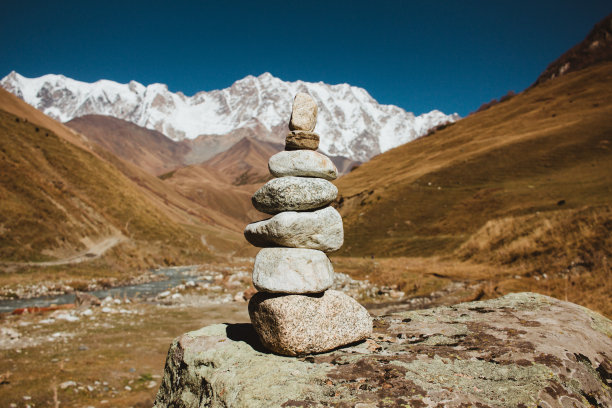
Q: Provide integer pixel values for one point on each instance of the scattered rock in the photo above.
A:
(67, 384)
(302, 163)
(292, 270)
(304, 113)
(296, 325)
(519, 350)
(85, 300)
(9, 334)
(66, 316)
(249, 292)
(298, 140)
(5, 377)
(321, 229)
(294, 194)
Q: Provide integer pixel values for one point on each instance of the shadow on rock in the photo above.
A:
(246, 333)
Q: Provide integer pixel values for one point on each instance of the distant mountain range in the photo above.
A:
(351, 123)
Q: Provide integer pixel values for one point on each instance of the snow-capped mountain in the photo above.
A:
(350, 122)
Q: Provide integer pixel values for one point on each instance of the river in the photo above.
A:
(174, 276)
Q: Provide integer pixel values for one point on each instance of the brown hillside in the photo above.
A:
(526, 185)
(545, 146)
(226, 182)
(59, 198)
(56, 197)
(246, 162)
(147, 149)
(206, 147)
(12, 104)
(207, 188)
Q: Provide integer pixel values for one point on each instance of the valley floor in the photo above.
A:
(113, 354)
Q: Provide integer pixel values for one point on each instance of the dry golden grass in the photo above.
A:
(114, 350)
(55, 195)
(565, 254)
(523, 186)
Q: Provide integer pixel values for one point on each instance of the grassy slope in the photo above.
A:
(524, 187)
(226, 182)
(55, 194)
(147, 149)
(522, 156)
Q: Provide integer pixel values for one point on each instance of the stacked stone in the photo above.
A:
(294, 313)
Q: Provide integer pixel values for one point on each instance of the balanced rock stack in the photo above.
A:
(294, 313)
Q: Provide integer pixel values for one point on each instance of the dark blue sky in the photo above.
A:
(420, 55)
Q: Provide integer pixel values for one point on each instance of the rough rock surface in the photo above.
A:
(520, 350)
(303, 113)
(302, 163)
(292, 270)
(321, 229)
(297, 325)
(294, 193)
(298, 139)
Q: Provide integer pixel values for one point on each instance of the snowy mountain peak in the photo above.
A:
(351, 123)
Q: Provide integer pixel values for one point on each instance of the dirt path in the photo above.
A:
(95, 251)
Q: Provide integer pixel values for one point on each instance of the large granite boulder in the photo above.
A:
(294, 325)
(521, 350)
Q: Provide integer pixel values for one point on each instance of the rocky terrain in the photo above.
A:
(110, 352)
(520, 350)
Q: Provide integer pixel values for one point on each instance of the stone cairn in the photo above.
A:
(294, 313)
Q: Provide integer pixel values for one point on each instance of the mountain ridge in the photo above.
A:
(351, 122)
(594, 49)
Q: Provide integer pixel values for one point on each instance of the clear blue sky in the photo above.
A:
(420, 55)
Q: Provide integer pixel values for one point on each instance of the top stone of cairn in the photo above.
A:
(304, 113)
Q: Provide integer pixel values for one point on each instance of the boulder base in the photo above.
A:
(519, 350)
(295, 325)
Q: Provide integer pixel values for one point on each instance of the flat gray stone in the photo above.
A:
(320, 229)
(304, 113)
(294, 325)
(292, 270)
(294, 194)
(302, 163)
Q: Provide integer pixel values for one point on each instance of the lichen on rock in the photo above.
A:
(520, 350)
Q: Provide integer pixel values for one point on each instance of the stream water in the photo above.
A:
(174, 276)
